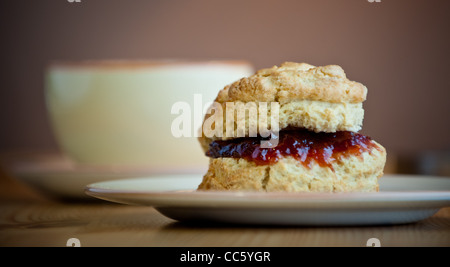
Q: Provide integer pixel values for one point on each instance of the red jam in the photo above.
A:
(303, 145)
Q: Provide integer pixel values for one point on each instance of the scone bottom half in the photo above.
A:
(303, 161)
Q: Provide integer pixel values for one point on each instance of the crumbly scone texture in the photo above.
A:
(295, 81)
(319, 99)
(315, 116)
(355, 173)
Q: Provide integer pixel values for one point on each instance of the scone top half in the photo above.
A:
(319, 99)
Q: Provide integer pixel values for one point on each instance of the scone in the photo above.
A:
(318, 148)
(319, 99)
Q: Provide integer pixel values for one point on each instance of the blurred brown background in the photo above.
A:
(398, 48)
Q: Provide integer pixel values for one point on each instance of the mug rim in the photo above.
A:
(142, 63)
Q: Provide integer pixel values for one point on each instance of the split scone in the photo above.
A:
(318, 146)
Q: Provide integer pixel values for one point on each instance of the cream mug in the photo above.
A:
(121, 112)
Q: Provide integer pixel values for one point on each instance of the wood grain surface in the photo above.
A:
(52, 224)
(30, 219)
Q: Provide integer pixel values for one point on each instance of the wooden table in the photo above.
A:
(30, 219)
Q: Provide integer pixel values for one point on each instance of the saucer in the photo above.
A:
(58, 176)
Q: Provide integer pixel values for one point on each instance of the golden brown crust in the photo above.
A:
(350, 174)
(295, 81)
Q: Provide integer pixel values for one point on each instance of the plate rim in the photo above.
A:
(283, 200)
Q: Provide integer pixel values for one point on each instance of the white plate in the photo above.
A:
(402, 199)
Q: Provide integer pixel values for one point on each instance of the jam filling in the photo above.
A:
(303, 145)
